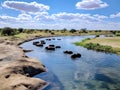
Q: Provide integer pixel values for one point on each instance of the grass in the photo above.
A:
(107, 44)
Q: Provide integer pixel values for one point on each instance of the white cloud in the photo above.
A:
(115, 15)
(59, 21)
(100, 16)
(21, 18)
(63, 16)
(32, 7)
(24, 17)
(91, 4)
(43, 16)
(7, 19)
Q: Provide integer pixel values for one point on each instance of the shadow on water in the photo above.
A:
(102, 77)
(52, 79)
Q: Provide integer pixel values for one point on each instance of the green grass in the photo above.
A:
(97, 47)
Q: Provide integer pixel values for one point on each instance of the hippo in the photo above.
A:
(36, 42)
(58, 46)
(50, 48)
(77, 55)
(51, 45)
(39, 45)
(42, 42)
(68, 52)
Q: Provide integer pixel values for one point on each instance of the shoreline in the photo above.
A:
(17, 70)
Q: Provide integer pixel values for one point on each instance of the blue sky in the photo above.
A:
(59, 14)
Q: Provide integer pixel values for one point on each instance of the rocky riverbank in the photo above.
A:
(16, 69)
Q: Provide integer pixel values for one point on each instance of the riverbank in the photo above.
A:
(106, 44)
(16, 69)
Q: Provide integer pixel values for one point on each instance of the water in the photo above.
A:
(93, 71)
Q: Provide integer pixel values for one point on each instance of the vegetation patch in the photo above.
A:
(97, 47)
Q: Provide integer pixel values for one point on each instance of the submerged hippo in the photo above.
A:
(68, 52)
(58, 46)
(50, 48)
(77, 55)
(42, 42)
(36, 42)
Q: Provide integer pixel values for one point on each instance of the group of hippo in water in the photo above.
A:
(53, 47)
(49, 47)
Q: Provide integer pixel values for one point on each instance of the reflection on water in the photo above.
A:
(93, 71)
(54, 83)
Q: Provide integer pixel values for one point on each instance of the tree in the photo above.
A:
(72, 30)
(7, 31)
(64, 30)
(20, 30)
(84, 30)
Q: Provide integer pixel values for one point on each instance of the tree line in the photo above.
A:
(7, 31)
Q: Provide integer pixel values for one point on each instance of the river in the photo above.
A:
(93, 71)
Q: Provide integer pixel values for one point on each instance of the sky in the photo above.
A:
(60, 14)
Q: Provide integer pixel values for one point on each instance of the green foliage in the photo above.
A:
(46, 30)
(98, 47)
(72, 30)
(84, 30)
(95, 46)
(118, 34)
(82, 43)
(64, 30)
(20, 30)
(28, 31)
(7, 31)
(113, 32)
(52, 33)
(97, 35)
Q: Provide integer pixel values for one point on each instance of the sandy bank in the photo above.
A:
(17, 70)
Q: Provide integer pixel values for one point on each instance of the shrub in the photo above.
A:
(20, 30)
(98, 47)
(97, 35)
(84, 30)
(52, 33)
(7, 31)
(118, 34)
(72, 30)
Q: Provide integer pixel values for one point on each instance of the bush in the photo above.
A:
(52, 33)
(7, 31)
(28, 31)
(84, 30)
(20, 30)
(72, 30)
(118, 34)
(97, 35)
(98, 47)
